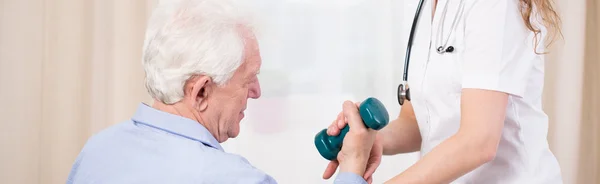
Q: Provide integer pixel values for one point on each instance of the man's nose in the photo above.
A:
(254, 91)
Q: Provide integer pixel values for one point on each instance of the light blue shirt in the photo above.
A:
(159, 147)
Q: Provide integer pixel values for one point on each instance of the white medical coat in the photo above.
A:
(493, 51)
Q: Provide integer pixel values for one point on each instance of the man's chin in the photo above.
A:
(235, 133)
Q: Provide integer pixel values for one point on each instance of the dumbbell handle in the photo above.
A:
(336, 141)
(374, 116)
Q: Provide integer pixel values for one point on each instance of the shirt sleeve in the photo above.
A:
(349, 178)
(498, 47)
(235, 169)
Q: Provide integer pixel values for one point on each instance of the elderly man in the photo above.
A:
(201, 62)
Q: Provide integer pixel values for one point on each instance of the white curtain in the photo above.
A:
(70, 68)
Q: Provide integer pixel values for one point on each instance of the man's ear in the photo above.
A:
(199, 91)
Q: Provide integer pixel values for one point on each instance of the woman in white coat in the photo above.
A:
(475, 112)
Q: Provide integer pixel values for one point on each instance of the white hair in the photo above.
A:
(191, 37)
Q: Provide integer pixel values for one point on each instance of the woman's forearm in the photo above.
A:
(401, 136)
(451, 159)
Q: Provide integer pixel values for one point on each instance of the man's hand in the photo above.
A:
(357, 152)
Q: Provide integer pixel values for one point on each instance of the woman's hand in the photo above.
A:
(357, 144)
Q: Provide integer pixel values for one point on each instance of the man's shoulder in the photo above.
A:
(104, 141)
(223, 167)
(124, 150)
(111, 133)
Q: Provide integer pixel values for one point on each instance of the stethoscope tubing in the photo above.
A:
(403, 89)
(410, 40)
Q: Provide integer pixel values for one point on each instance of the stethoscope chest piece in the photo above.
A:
(403, 93)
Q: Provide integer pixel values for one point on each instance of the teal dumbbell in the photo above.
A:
(374, 116)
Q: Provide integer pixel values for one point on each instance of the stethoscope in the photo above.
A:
(403, 89)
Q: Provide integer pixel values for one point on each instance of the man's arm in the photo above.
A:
(349, 178)
(400, 136)
(355, 154)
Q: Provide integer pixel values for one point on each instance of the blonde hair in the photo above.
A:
(545, 12)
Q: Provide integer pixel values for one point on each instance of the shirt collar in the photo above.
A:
(174, 124)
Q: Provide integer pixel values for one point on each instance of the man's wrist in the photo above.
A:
(349, 178)
(354, 166)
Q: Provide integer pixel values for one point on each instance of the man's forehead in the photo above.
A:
(254, 63)
(253, 58)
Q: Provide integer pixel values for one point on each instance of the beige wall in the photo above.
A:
(21, 58)
(589, 171)
(563, 95)
(69, 68)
